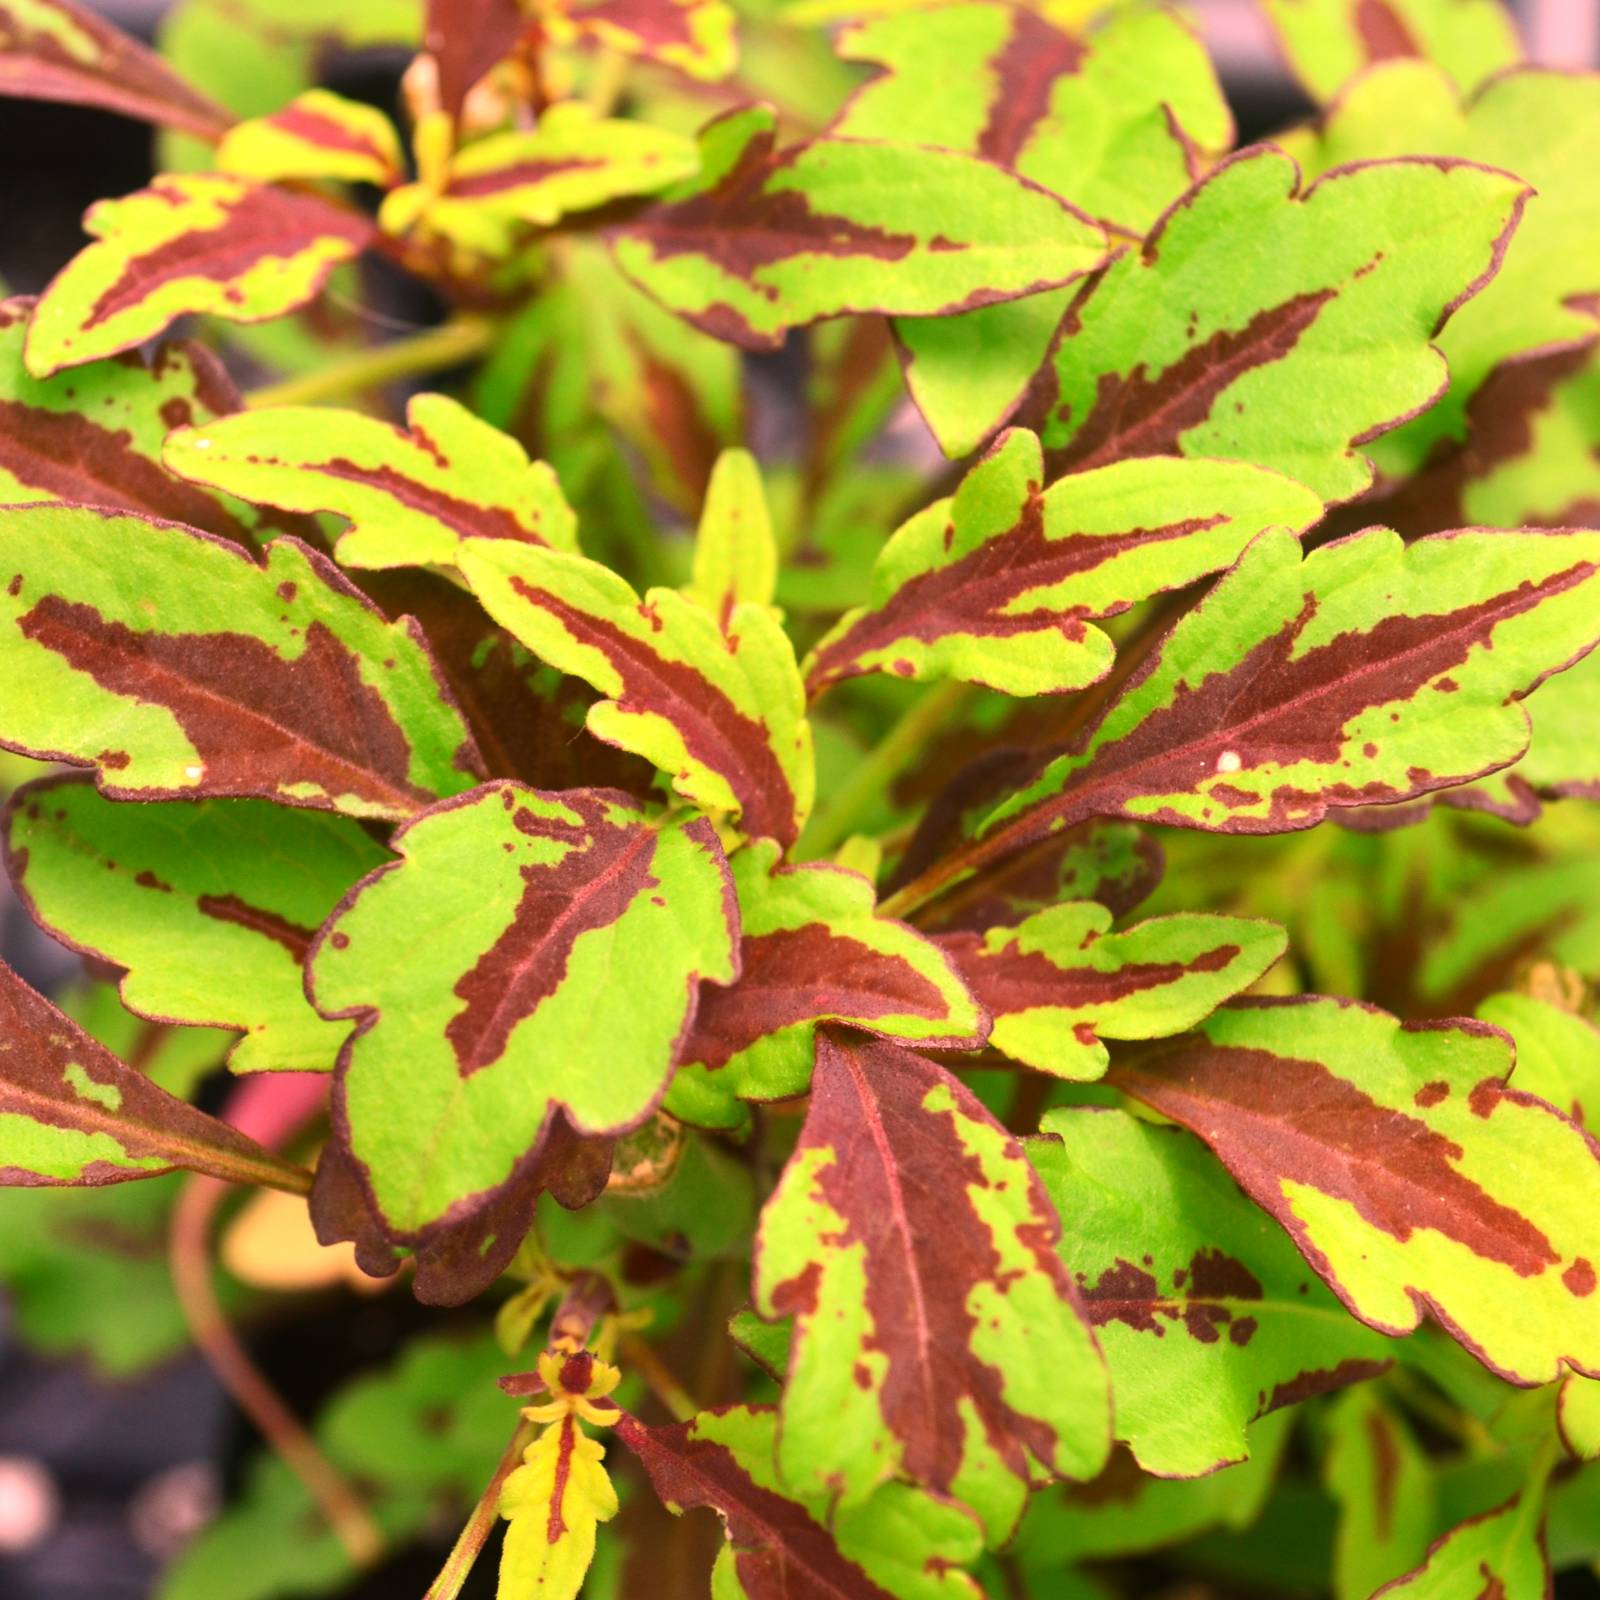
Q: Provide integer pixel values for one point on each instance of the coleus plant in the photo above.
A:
(970, 995)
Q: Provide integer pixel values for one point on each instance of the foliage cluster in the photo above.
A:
(1010, 1018)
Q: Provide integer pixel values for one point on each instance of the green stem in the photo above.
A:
(453, 1574)
(927, 717)
(460, 340)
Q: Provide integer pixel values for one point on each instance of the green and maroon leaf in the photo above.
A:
(319, 134)
(1060, 982)
(1207, 1315)
(466, 38)
(695, 36)
(1369, 673)
(785, 1545)
(937, 1334)
(59, 50)
(1409, 1176)
(72, 1113)
(412, 494)
(764, 240)
(812, 951)
(1329, 41)
(997, 585)
(191, 242)
(210, 908)
(180, 669)
(1174, 351)
(735, 556)
(722, 712)
(529, 952)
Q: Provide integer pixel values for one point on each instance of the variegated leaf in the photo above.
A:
(554, 1501)
(763, 240)
(1411, 1178)
(1558, 1053)
(72, 1113)
(782, 1544)
(936, 1333)
(812, 951)
(180, 669)
(191, 242)
(211, 908)
(530, 952)
(1329, 41)
(1207, 1315)
(317, 135)
(1323, 344)
(735, 558)
(695, 36)
(1369, 673)
(412, 494)
(722, 712)
(996, 585)
(1061, 981)
(59, 50)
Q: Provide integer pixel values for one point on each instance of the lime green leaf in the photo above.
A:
(1409, 1175)
(936, 1332)
(317, 135)
(995, 585)
(210, 907)
(735, 558)
(1580, 1416)
(1207, 1315)
(180, 669)
(412, 494)
(720, 710)
(844, 225)
(1558, 1054)
(203, 242)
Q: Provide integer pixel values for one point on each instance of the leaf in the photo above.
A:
(180, 669)
(1106, 120)
(735, 558)
(936, 1333)
(1384, 1484)
(1208, 1317)
(210, 907)
(466, 38)
(1503, 1552)
(1321, 346)
(71, 1113)
(903, 1546)
(528, 952)
(1558, 1053)
(812, 951)
(93, 435)
(1369, 673)
(695, 36)
(1061, 981)
(765, 241)
(995, 585)
(721, 711)
(554, 1501)
(1580, 1416)
(191, 242)
(58, 50)
(412, 494)
(1406, 1172)
(1330, 41)
(317, 135)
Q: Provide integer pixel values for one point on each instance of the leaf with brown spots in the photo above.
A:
(1061, 981)
(1207, 1315)
(209, 907)
(1406, 1171)
(72, 1113)
(937, 1335)
(812, 951)
(58, 50)
(530, 954)
(763, 240)
(191, 242)
(719, 708)
(180, 669)
(411, 494)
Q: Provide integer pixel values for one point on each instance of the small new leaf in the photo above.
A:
(735, 558)
(554, 1501)
(317, 135)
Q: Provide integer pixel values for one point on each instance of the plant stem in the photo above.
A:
(921, 721)
(461, 339)
(189, 1257)
(655, 1372)
(453, 1574)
